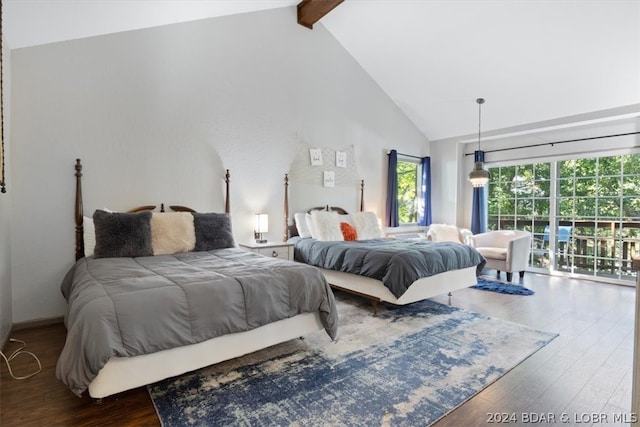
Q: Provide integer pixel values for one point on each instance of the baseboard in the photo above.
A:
(37, 323)
(28, 324)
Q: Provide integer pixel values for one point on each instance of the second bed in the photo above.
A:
(382, 269)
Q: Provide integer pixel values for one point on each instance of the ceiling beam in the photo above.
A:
(311, 11)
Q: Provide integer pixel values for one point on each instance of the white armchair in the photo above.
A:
(505, 250)
(449, 233)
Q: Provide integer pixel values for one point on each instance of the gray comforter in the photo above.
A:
(121, 307)
(395, 262)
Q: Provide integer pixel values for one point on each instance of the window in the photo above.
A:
(519, 197)
(409, 173)
(584, 213)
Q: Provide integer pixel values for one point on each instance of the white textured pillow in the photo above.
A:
(367, 225)
(444, 233)
(172, 232)
(346, 218)
(326, 225)
(300, 219)
(310, 225)
(89, 235)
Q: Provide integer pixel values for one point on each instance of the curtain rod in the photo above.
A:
(556, 142)
(405, 155)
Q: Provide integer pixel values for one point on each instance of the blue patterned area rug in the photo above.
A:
(407, 366)
(487, 284)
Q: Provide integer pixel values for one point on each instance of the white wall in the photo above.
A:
(5, 206)
(157, 115)
(446, 161)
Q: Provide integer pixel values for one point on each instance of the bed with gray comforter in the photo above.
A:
(124, 307)
(397, 263)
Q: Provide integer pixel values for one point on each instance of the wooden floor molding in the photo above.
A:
(586, 370)
(18, 326)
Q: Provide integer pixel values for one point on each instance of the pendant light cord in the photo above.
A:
(480, 101)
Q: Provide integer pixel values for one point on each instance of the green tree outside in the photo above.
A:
(407, 192)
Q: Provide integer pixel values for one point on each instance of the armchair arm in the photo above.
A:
(518, 253)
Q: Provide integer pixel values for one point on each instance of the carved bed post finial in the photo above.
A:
(362, 195)
(79, 212)
(227, 203)
(285, 235)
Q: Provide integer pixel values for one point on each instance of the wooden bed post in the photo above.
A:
(285, 235)
(79, 213)
(227, 203)
(362, 195)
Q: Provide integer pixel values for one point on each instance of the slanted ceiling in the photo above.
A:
(540, 65)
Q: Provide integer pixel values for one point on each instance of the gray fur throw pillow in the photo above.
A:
(122, 234)
(213, 231)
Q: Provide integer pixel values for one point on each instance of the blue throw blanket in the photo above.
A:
(395, 262)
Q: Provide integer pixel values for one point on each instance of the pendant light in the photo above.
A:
(479, 177)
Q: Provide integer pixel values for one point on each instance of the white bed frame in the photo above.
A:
(427, 287)
(125, 373)
(375, 290)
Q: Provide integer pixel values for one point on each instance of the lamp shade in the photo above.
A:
(262, 223)
(479, 177)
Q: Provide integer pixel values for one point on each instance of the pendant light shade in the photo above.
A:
(479, 176)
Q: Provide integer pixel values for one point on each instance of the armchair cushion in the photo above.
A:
(493, 253)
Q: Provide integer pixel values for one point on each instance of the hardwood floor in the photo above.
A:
(586, 370)
(42, 400)
(585, 373)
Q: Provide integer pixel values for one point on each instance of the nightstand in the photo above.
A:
(280, 250)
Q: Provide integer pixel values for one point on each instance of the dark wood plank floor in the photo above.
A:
(586, 370)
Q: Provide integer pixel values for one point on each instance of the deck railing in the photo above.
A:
(601, 248)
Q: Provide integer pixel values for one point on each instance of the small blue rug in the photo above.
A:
(501, 287)
(408, 366)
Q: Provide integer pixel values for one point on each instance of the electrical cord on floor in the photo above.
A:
(17, 352)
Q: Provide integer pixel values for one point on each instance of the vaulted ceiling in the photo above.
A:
(542, 66)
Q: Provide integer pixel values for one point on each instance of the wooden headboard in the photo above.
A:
(327, 208)
(285, 234)
(79, 212)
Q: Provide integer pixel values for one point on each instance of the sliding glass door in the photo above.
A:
(584, 214)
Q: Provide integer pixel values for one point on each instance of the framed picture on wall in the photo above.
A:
(316, 156)
(329, 179)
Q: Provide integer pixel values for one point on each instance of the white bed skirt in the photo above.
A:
(125, 373)
(424, 288)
